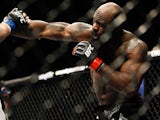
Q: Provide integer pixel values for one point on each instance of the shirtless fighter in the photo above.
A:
(116, 76)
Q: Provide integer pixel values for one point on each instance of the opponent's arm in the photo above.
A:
(4, 31)
(77, 31)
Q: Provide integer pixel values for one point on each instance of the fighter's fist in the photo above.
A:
(15, 18)
(87, 52)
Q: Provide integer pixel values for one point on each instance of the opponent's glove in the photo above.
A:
(87, 52)
(15, 19)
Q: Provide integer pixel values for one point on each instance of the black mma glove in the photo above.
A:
(87, 52)
(15, 19)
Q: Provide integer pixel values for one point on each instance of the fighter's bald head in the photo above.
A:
(108, 11)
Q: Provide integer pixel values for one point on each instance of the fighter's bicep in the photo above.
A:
(130, 66)
(133, 68)
(79, 31)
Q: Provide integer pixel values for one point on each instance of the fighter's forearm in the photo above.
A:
(32, 30)
(126, 81)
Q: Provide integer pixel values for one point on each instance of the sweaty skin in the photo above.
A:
(110, 84)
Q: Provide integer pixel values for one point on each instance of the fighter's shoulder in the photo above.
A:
(81, 25)
(79, 28)
(127, 35)
(132, 40)
(131, 36)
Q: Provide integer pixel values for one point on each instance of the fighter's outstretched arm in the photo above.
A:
(74, 32)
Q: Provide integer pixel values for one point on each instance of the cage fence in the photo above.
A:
(71, 96)
(152, 90)
(67, 97)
